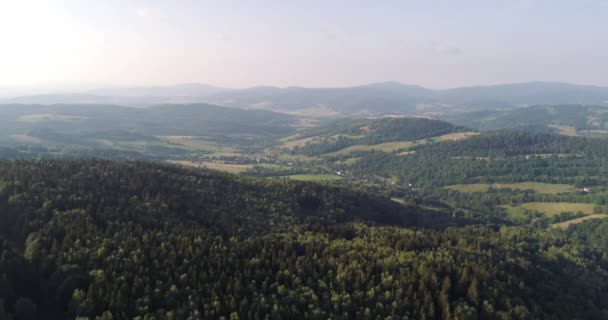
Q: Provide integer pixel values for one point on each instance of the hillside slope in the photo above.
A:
(338, 135)
(564, 119)
(116, 240)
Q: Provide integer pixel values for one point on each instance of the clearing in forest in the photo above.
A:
(384, 147)
(564, 225)
(228, 167)
(549, 208)
(201, 143)
(543, 188)
(564, 130)
(314, 177)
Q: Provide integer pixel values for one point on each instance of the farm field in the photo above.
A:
(456, 136)
(200, 143)
(297, 141)
(348, 162)
(549, 209)
(142, 145)
(273, 166)
(314, 177)
(400, 145)
(295, 157)
(384, 147)
(543, 188)
(564, 225)
(564, 130)
(228, 167)
(290, 144)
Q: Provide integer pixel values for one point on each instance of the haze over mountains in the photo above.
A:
(377, 98)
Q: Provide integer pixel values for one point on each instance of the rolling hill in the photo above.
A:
(73, 123)
(591, 120)
(392, 97)
(378, 98)
(383, 134)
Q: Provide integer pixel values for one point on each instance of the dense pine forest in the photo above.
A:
(131, 240)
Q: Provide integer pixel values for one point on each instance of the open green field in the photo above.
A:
(295, 157)
(297, 141)
(544, 188)
(564, 225)
(548, 208)
(139, 145)
(201, 144)
(314, 177)
(473, 187)
(456, 136)
(348, 162)
(290, 144)
(273, 166)
(144, 146)
(221, 166)
(385, 147)
(400, 145)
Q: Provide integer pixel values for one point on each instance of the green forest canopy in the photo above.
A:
(130, 240)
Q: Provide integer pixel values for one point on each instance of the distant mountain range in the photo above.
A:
(82, 124)
(378, 98)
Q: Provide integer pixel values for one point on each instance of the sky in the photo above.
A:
(329, 43)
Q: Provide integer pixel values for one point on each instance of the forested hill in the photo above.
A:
(340, 134)
(129, 240)
(73, 123)
(383, 129)
(505, 156)
(147, 194)
(575, 119)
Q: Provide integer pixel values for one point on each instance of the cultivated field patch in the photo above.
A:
(314, 177)
(455, 136)
(564, 130)
(544, 188)
(228, 167)
(201, 144)
(384, 147)
(548, 209)
(564, 225)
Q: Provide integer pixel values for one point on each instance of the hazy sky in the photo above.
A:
(304, 43)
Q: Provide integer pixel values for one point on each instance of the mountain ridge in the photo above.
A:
(374, 98)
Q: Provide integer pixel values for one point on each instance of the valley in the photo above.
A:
(423, 160)
(237, 183)
(306, 160)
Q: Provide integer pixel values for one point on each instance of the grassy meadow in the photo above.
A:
(314, 177)
(543, 188)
